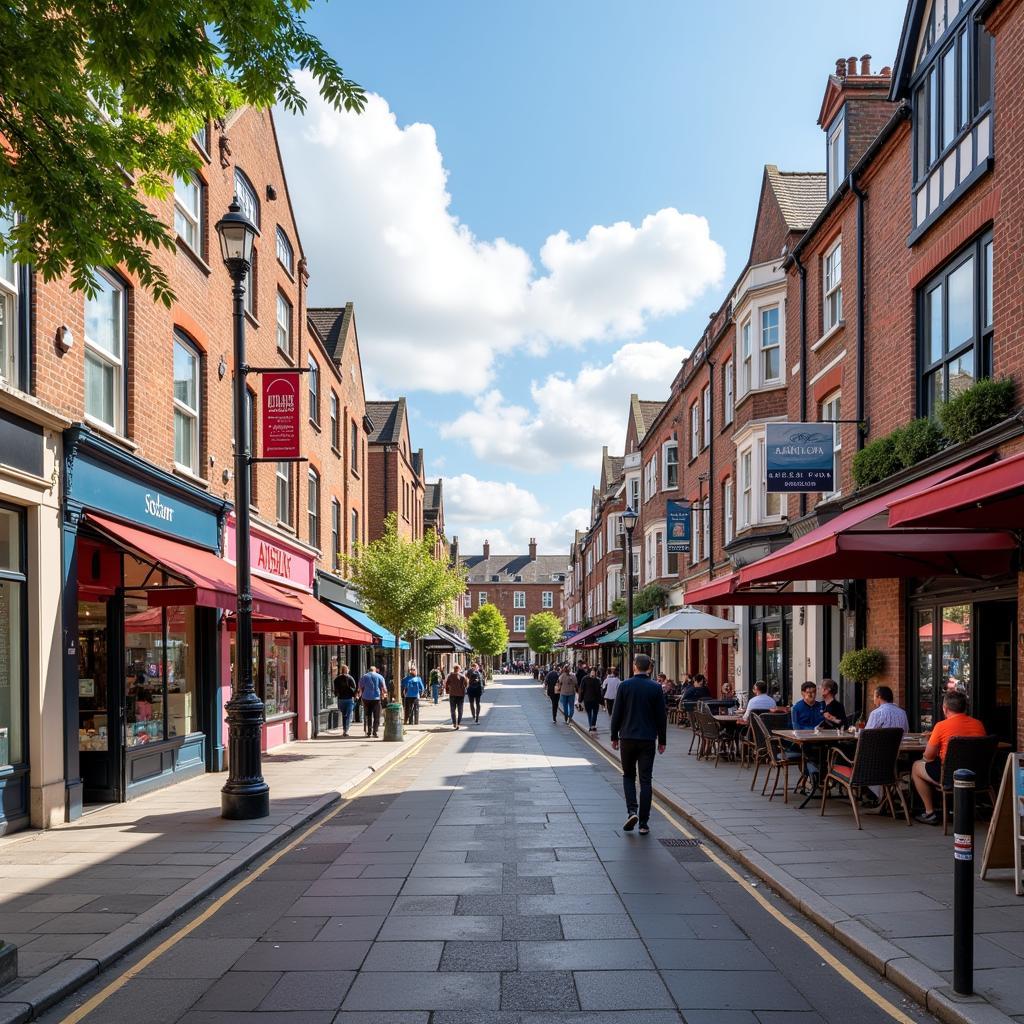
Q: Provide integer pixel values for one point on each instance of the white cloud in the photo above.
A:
(571, 417)
(437, 305)
(507, 515)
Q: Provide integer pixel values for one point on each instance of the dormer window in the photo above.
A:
(836, 153)
(952, 106)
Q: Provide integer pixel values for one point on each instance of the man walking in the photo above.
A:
(639, 720)
(372, 690)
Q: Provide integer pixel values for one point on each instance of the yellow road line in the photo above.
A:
(169, 943)
(808, 940)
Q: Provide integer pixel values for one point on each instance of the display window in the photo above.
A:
(12, 639)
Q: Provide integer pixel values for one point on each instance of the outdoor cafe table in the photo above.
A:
(914, 743)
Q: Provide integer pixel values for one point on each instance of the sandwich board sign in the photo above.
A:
(1004, 847)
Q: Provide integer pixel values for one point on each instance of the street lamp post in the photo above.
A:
(629, 521)
(245, 794)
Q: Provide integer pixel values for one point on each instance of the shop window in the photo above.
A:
(770, 642)
(314, 391)
(285, 253)
(13, 637)
(187, 426)
(283, 477)
(832, 287)
(188, 211)
(942, 657)
(956, 326)
(313, 507)
(283, 330)
(278, 674)
(105, 335)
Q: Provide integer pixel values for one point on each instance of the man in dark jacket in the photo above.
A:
(639, 720)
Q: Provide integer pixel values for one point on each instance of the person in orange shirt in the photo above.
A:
(927, 773)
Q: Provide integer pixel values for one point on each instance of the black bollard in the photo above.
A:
(963, 882)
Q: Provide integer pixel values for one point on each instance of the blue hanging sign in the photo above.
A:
(800, 457)
(677, 526)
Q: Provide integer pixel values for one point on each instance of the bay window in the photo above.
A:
(746, 358)
(831, 409)
(746, 473)
(771, 363)
(772, 499)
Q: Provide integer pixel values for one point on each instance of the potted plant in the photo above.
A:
(862, 665)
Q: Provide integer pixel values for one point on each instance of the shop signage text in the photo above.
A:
(157, 509)
(677, 527)
(271, 558)
(800, 457)
(281, 415)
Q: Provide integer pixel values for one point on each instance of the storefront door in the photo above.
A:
(770, 644)
(100, 705)
(997, 667)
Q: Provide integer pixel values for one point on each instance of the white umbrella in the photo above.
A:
(686, 624)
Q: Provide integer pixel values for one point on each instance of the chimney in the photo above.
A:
(487, 549)
(865, 64)
(455, 550)
(863, 100)
(533, 549)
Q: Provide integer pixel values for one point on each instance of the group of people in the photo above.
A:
(582, 687)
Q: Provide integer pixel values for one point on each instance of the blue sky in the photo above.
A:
(479, 247)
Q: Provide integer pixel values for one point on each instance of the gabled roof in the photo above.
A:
(388, 419)
(331, 324)
(417, 462)
(611, 470)
(644, 413)
(508, 567)
(432, 497)
(800, 195)
(906, 55)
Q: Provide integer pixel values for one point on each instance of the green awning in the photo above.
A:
(621, 635)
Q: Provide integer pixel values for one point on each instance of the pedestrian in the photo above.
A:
(412, 690)
(612, 682)
(551, 689)
(639, 721)
(435, 683)
(372, 690)
(590, 694)
(567, 694)
(474, 689)
(455, 686)
(345, 693)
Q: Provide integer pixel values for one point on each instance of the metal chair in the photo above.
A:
(778, 758)
(976, 753)
(757, 740)
(873, 764)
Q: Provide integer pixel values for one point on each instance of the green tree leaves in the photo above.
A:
(486, 631)
(544, 632)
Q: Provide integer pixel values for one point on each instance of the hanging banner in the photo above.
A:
(677, 526)
(281, 415)
(800, 457)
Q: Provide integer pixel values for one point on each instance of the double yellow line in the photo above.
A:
(169, 943)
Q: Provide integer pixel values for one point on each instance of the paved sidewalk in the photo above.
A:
(885, 892)
(75, 898)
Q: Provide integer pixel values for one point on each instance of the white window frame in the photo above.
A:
(832, 409)
(729, 523)
(767, 498)
(547, 599)
(600, 546)
(314, 390)
(705, 522)
(284, 250)
(746, 357)
(670, 461)
(832, 286)
(835, 147)
(283, 492)
(745, 496)
(353, 528)
(10, 306)
(518, 623)
(247, 196)
(283, 319)
(611, 533)
(335, 407)
(767, 346)
(467, 600)
(519, 599)
(114, 361)
(729, 396)
(634, 493)
(650, 558)
(696, 533)
(188, 211)
(694, 430)
(335, 533)
(481, 598)
(183, 411)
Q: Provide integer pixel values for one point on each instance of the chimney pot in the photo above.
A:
(865, 64)
(851, 66)
(886, 72)
(487, 549)
(840, 68)
(533, 548)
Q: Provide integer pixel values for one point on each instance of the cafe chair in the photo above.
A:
(756, 738)
(689, 717)
(778, 758)
(873, 764)
(975, 753)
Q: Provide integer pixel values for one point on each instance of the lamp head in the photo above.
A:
(237, 234)
(629, 519)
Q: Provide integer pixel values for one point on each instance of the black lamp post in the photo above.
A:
(246, 793)
(629, 521)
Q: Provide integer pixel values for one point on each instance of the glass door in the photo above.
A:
(995, 699)
(99, 705)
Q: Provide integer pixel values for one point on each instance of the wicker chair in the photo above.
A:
(756, 738)
(975, 753)
(710, 736)
(688, 717)
(873, 764)
(778, 758)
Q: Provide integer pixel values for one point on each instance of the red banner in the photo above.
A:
(281, 415)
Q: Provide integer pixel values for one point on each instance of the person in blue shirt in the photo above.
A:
(372, 691)
(808, 712)
(412, 690)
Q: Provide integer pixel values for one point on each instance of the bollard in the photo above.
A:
(963, 882)
(393, 731)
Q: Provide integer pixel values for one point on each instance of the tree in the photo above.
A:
(403, 586)
(486, 631)
(544, 632)
(98, 106)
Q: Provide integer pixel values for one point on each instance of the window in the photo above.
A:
(836, 153)
(188, 211)
(547, 599)
(746, 359)
(831, 409)
(671, 466)
(651, 477)
(10, 306)
(283, 474)
(335, 423)
(14, 637)
(694, 430)
(832, 310)
(335, 534)
(519, 624)
(611, 532)
(705, 403)
(746, 507)
(481, 598)
(246, 196)
(353, 536)
(186, 405)
(727, 512)
(519, 599)
(951, 93)
(285, 253)
(201, 137)
(251, 279)
(772, 499)
(284, 325)
(467, 600)
(105, 352)
(955, 318)
(314, 391)
(313, 508)
(650, 559)
(728, 388)
(770, 354)
(634, 493)
(705, 521)
(696, 533)
(353, 448)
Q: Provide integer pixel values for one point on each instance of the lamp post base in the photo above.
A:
(245, 802)
(393, 731)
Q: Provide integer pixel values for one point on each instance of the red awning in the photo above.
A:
(989, 498)
(323, 625)
(589, 635)
(726, 590)
(859, 544)
(202, 579)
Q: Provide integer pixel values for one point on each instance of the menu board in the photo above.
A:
(1004, 846)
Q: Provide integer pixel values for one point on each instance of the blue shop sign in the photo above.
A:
(800, 457)
(101, 477)
(677, 526)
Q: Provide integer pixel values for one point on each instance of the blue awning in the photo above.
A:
(382, 637)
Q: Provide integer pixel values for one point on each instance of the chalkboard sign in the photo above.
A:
(1004, 846)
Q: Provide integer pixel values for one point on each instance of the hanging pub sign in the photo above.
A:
(281, 415)
(677, 527)
(800, 457)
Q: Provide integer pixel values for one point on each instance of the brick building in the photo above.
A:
(397, 481)
(520, 586)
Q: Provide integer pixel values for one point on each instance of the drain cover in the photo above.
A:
(679, 842)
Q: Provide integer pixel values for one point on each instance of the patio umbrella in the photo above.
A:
(686, 624)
